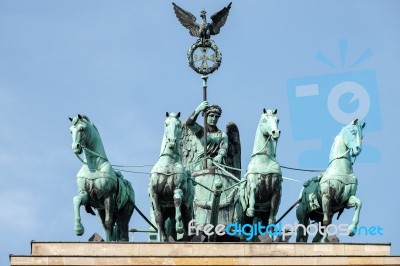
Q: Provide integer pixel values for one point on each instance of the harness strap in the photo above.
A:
(80, 159)
(220, 166)
(341, 156)
(94, 153)
(265, 144)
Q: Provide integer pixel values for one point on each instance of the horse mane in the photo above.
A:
(333, 147)
(339, 137)
(344, 130)
(88, 121)
(163, 143)
(86, 117)
(76, 119)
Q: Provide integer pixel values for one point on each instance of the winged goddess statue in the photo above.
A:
(203, 30)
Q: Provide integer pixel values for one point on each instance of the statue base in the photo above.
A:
(109, 253)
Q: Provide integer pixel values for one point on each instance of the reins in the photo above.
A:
(265, 144)
(92, 152)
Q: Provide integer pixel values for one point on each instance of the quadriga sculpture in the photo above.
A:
(171, 192)
(99, 186)
(260, 196)
(335, 189)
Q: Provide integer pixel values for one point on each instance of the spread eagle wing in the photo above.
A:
(188, 148)
(187, 19)
(219, 18)
(233, 156)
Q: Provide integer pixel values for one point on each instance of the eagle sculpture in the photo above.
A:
(203, 30)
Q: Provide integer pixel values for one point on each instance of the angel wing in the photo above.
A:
(188, 148)
(219, 18)
(188, 20)
(233, 157)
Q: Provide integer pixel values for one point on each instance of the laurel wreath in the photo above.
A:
(204, 44)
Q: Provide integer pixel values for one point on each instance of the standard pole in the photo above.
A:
(204, 78)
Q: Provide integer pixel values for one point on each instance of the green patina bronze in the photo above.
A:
(209, 154)
(99, 186)
(197, 175)
(204, 50)
(335, 189)
(171, 192)
(210, 171)
(260, 196)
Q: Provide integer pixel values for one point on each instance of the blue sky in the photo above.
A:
(123, 64)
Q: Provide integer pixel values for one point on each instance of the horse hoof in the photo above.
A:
(79, 230)
(351, 230)
(250, 212)
(179, 228)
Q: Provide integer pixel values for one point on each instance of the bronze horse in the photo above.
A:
(171, 192)
(261, 195)
(334, 190)
(99, 186)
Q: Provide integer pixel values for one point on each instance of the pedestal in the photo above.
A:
(106, 253)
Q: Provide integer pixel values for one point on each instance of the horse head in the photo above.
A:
(352, 137)
(269, 124)
(172, 132)
(80, 132)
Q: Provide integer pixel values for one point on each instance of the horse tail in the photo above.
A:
(124, 191)
(340, 213)
(89, 209)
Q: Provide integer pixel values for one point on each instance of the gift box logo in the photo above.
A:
(321, 105)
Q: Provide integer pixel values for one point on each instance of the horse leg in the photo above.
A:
(124, 216)
(252, 197)
(109, 219)
(276, 198)
(102, 215)
(157, 215)
(356, 203)
(255, 221)
(326, 209)
(301, 233)
(178, 194)
(80, 199)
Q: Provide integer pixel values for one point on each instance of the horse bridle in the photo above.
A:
(265, 144)
(343, 156)
(90, 151)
